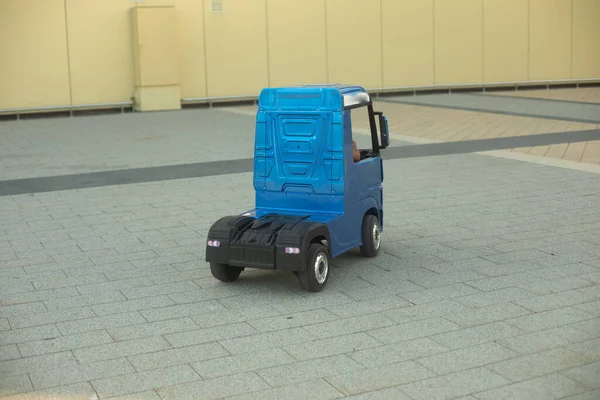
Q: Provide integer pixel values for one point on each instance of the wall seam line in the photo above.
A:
(68, 54)
(326, 45)
(204, 11)
(434, 39)
(572, 36)
(381, 41)
(267, 38)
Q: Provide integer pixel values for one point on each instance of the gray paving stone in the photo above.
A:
(240, 363)
(159, 328)
(397, 352)
(75, 301)
(413, 330)
(349, 325)
(50, 317)
(549, 319)
(230, 317)
(9, 352)
(379, 378)
(383, 394)
(476, 335)
(98, 323)
(454, 385)
(11, 385)
(486, 315)
(589, 348)
(180, 356)
(331, 346)
(137, 382)
(152, 303)
(424, 311)
(68, 281)
(556, 285)
(63, 343)
(4, 325)
(27, 365)
(38, 295)
(68, 375)
(267, 340)
(591, 395)
(550, 386)
(545, 340)
(19, 310)
(493, 297)
(79, 390)
(440, 293)
(114, 350)
(466, 358)
(315, 389)
(305, 318)
(358, 308)
(555, 300)
(179, 311)
(216, 388)
(585, 374)
(216, 333)
(565, 270)
(287, 374)
(195, 294)
(28, 334)
(538, 364)
(502, 282)
(122, 285)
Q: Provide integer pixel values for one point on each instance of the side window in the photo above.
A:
(361, 141)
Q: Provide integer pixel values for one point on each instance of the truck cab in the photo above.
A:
(313, 201)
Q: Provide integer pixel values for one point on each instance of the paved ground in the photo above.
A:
(488, 287)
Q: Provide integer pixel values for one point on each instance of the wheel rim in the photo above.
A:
(321, 268)
(376, 236)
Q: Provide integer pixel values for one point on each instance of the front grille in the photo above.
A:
(253, 256)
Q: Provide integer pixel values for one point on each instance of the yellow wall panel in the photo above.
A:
(192, 66)
(550, 40)
(586, 39)
(34, 69)
(100, 51)
(407, 43)
(236, 48)
(354, 42)
(297, 46)
(156, 41)
(505, 40)
(458, 41)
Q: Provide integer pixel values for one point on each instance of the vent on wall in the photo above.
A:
(217, 5)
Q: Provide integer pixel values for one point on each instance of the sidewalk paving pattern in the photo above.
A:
(488, 286)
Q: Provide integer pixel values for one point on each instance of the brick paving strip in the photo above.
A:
(488, 286)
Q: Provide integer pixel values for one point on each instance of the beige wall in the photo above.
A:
(63, 52)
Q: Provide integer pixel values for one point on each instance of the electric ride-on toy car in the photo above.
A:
(313, 202)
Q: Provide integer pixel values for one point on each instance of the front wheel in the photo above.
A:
(371, 236)
(224, 272)
(314, 277)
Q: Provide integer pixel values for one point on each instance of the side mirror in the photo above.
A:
(384, 131)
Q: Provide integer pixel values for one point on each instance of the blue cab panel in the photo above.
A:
(303, 163)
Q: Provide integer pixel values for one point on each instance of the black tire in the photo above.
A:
(314, 277)
(371, 236)
(224, 272)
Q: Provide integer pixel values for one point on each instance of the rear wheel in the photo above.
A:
(224, 272)
(371, 236)
(314, 277)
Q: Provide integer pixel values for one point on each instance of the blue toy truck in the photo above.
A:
(313, 201)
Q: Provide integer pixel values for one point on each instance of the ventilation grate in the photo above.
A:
(217, 5)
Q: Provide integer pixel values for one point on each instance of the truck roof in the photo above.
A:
(326, 97)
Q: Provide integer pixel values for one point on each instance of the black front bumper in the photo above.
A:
(261, 242)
